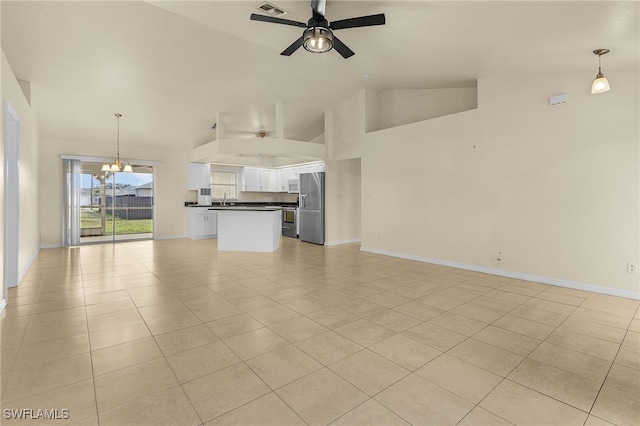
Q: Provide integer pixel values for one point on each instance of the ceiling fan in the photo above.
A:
(318, 35)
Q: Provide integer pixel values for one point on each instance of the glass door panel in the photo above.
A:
(132, 204)
(115, 206)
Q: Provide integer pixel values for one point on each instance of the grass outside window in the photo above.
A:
(92, 219)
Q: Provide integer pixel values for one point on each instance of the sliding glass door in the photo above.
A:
(107, 206)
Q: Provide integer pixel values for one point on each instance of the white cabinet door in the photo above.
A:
(259, 180)
(282, 177)
(200, 227)
(198, 176)
(268, 180)
(251, 179)
(211, 224)
(201, 223)
(195, 223)
(279, 181)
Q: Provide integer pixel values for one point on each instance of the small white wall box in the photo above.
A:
(558, 99)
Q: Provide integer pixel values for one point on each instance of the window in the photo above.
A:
(224, 185)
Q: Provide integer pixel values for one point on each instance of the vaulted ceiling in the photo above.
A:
(171, 66)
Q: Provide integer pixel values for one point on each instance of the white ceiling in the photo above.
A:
(170, 66)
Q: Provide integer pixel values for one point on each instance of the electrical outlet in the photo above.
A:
(632, 268)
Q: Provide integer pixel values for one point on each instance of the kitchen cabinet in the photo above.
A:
(268, 180)
(198, 176)
(251, 179)
(317, 167)
(201, 223)
(282, 178)
(257, 179)
(260, 179)
(294, 172)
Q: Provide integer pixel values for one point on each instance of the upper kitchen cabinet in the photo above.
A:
(260, 179)
(257, 179)
(295, 171)
(198, 176)
(251, 179)
(268, 181)
(282, 179)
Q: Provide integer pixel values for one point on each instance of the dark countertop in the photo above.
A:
(243, 206)
(246, 208)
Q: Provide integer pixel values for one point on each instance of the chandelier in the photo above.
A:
(117, 165)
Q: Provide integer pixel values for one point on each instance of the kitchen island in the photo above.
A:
(249, 228)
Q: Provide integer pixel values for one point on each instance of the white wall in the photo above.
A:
(348, 127)
(345, 135)
(343, 201)
(170, 183)
(3, 297)
(344, 132)
(398, 107)
(554, 189)
(29, 230)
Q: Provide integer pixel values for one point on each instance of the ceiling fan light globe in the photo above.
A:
(318, 39)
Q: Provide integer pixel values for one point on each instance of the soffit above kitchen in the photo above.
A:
(170, 67)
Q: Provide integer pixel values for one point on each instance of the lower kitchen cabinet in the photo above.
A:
(201, 223)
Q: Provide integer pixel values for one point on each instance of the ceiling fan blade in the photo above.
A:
(318, 7)
(256, 17)
(294, 46)
(342, 48)
(361, 21)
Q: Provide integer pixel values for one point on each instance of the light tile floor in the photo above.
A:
(174, 332)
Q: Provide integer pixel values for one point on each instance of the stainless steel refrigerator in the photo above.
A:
(312, 207)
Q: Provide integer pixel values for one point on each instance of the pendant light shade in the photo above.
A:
(117, 163)
(600, 84)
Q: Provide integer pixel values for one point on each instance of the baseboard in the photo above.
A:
(28, 265)
(628, 294)
(342, 242)
(164, 237)
(170, 237)
(50, 246)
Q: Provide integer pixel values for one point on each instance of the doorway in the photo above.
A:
(108, 206)
(11, 198)
(116, 206)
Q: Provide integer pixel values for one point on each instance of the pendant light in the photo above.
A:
(600, 84)
(117, 163)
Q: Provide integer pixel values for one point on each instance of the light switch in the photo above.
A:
(558, 99)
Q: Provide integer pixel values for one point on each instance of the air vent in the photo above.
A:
(271, 9)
